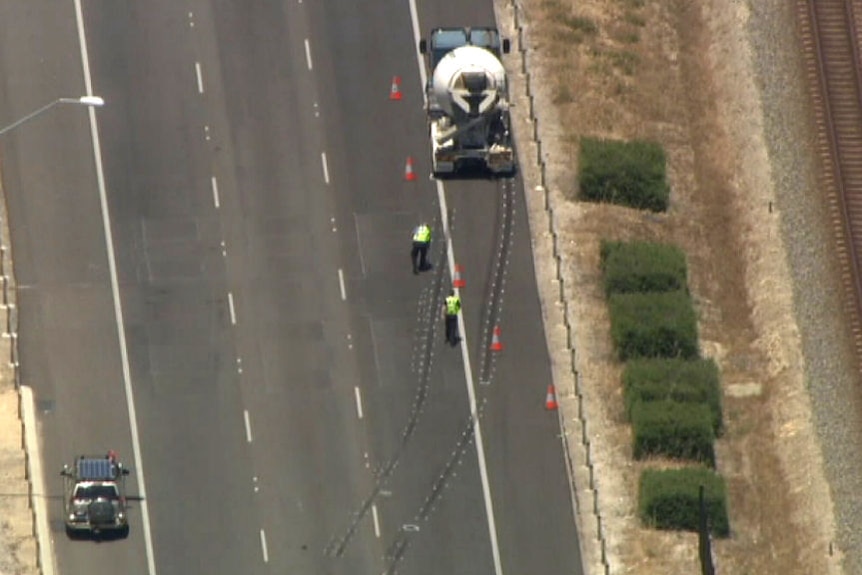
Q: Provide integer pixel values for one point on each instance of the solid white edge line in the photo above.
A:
(263, 546)
(308, 53)
(325, 167)
(231, 308)
(341, 285)
(247, 418)
(216, 200)
(420, 59)
(200, 77)
(471, 394)
(358, 394)
(376, 520)
(468, 370)
(115, 294)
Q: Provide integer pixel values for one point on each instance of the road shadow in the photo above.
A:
(101, 536)
(475, 172)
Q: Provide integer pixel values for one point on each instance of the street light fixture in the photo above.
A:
(93, 101)
(89, 101)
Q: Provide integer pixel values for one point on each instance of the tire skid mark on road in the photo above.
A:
(398, 548)
(426, 330)
(504, 232)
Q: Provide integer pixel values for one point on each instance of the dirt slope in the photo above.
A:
(683, 73)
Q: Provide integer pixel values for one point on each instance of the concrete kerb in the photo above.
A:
(36, 493)
(36, 481)
(555, 305)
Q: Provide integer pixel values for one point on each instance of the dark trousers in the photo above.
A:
(419, 256)
(452, 329)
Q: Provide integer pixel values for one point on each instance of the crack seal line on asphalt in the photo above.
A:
(468, 373)
(115, 293)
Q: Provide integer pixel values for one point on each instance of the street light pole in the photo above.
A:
(89, 101)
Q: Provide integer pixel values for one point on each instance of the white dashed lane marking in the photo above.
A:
(325, 167)
(358, 402)
(231, 308)
(200, 77)
(263, 546)
(341, 285)
(215, 192)
(308, 53)
(247, 419)
(376, 521)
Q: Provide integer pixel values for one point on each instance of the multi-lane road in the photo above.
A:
(219, 289)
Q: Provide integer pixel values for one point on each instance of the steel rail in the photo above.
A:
(831, 47)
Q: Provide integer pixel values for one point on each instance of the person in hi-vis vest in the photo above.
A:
(419, 252)
(450, 311)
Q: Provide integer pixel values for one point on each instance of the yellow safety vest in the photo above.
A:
(422, 234)
(453, 305)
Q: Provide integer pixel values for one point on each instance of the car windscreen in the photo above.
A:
(484, 38)
(96, 492)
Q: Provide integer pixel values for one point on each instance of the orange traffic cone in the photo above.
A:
(457, 281)
(409, 174)
(496, 344)
(395, 90)
(551, 399)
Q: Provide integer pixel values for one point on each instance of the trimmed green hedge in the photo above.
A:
(660, 324)
(683, 381)
(626, 173)
(668, 499)
(680, 430)
(642, 267)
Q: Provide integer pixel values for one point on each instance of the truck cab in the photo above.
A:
(444, 40)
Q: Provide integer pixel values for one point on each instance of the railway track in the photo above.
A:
(830, 39)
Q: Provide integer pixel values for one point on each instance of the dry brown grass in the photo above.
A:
(643, 69)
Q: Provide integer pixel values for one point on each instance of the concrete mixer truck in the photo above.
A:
(467, 101)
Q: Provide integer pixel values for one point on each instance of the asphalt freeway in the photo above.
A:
(294, 407)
